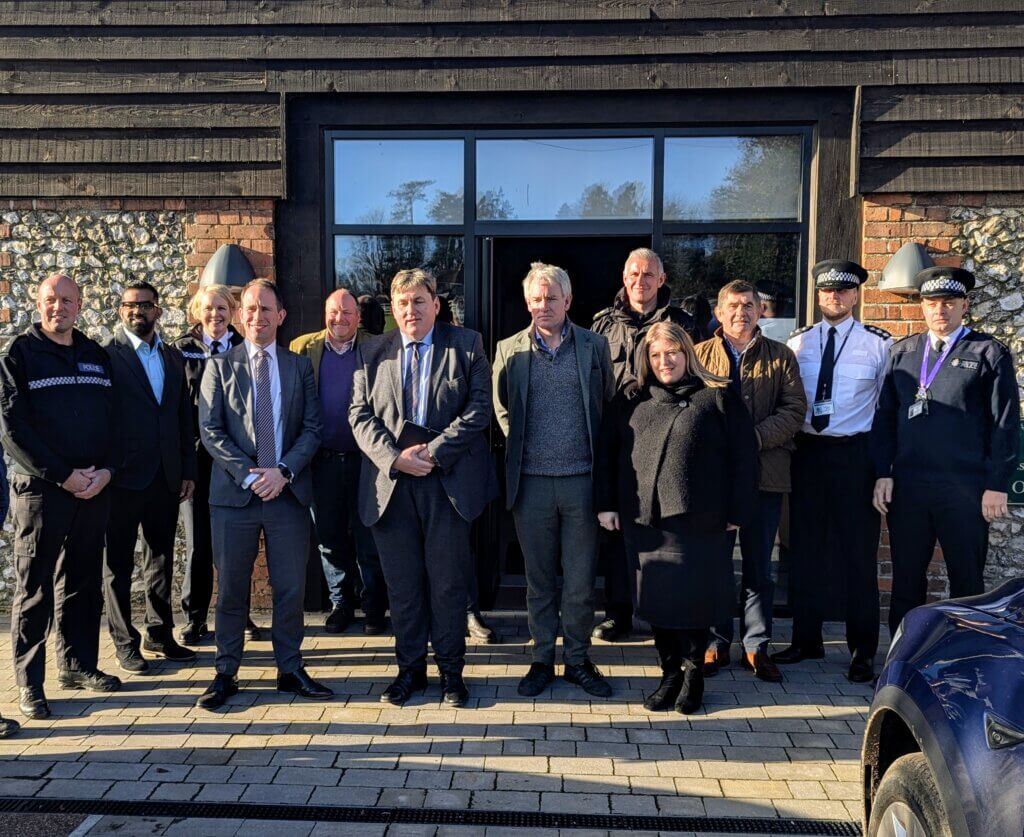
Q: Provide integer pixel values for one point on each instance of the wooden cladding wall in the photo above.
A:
(185, 97)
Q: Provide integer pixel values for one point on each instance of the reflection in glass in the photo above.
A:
(366, 264)
(564, 179)
(698, 265)
(398, 181)
(732, 178)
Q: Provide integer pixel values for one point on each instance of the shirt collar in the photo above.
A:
(251, 349)
(566, 326)
(428, 340)
(842, 329)
(138, 342)
(933, 338)
(224, 341)
(345, 348)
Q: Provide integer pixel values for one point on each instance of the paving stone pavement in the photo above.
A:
(756, 749)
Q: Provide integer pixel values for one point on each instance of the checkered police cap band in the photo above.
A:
(944, 284)
(836, 278)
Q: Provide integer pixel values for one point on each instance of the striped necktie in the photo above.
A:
(412, 384)
(266, 446)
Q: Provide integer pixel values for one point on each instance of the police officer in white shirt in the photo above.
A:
(833, 526)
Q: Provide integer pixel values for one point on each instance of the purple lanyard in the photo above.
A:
(926, 379)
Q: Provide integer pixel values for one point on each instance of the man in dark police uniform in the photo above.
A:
(944, 443)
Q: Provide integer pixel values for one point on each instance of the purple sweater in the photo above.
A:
(335, 385)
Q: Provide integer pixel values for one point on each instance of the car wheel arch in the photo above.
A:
(895, 713)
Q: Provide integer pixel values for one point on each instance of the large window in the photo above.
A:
(718, 204)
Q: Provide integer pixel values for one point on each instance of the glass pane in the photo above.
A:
(366, 264)
(564, 179)
(698, 265)
(732, 178)
(398, 181)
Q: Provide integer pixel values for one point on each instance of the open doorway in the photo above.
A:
(594, 265)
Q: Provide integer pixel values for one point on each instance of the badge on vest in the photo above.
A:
(965, 364)
(91, 367)
(823, 408)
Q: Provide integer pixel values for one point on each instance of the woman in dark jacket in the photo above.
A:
(677, 468)
(212, 308)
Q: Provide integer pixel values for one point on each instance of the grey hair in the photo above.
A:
(645, 254)
(540, 272)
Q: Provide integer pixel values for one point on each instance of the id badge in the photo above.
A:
(918, 408)
(823, 408)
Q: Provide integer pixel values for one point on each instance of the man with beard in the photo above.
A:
(833, 527)
(640, 303)
(158, 472)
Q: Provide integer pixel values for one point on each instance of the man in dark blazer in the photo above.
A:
(259, 417)
(432, 379)
(159, 471)
(551, 381)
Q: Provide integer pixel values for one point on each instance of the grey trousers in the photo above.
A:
(556, 525)
(424, 552)
(236, 540)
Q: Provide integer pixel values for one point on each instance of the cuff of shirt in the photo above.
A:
(249, 480)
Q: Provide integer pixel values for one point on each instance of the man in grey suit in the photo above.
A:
(420, 489)
(259, 416)
(550, 384)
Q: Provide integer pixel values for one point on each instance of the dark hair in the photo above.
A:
(260, 282)
(371, 315)
(698, 307)
(139, 285)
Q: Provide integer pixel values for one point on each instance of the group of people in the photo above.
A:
(630, 441)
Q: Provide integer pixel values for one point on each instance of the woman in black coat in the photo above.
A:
(677, 468)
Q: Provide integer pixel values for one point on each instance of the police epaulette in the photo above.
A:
(604, 312)
(878, 332)
(800, 331)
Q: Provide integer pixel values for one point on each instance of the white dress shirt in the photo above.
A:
(933, 338)
(275, 397)
(426, 353)
(224, 342)
(857, 375)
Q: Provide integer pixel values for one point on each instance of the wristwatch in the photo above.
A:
(286, 472)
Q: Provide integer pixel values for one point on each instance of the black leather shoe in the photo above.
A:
(453, 690)
(32, 703)
(222, 687)
(8, 727)
(132, 661)
(612, 630)
(374, 625)
(588, 678)
(169, 650)
(536, 679)
(691, 695)
(798, 653)
(664, 697)
(478, 629)
(338, 620)
(763, 668)
(861, 671)
(403, 686)
(93, 681)
(193, 633)
(299, 683)
(253, 632)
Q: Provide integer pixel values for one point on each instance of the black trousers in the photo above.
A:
(676, 646)
(425, 554)
(154, 510)
(347, 551)
(834, 533)
(58, 556)
(921, 514)
(618, 589)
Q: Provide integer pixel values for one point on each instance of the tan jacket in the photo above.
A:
(774, 395)
(312, 346)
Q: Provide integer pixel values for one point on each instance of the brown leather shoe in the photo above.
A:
(763, 668)
(714, 659)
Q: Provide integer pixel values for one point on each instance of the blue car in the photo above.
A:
(943, 751)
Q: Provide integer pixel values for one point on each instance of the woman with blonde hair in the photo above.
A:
(677, 468)
(212, 309)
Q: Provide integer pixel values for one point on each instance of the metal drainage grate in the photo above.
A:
(429, 816)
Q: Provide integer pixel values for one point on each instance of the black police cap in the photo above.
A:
(838, 274)
(944, 281)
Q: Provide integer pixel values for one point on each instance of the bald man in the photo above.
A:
(347, 551)
(57, 417)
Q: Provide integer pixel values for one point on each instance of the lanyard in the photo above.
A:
(926, 378)
(821, 347)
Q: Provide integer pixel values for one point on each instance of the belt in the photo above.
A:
(328, 453)
(815, 439)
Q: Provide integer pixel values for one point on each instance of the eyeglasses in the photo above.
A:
(139, 306)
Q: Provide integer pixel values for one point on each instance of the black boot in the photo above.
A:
(665, 695)
(691, 696)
